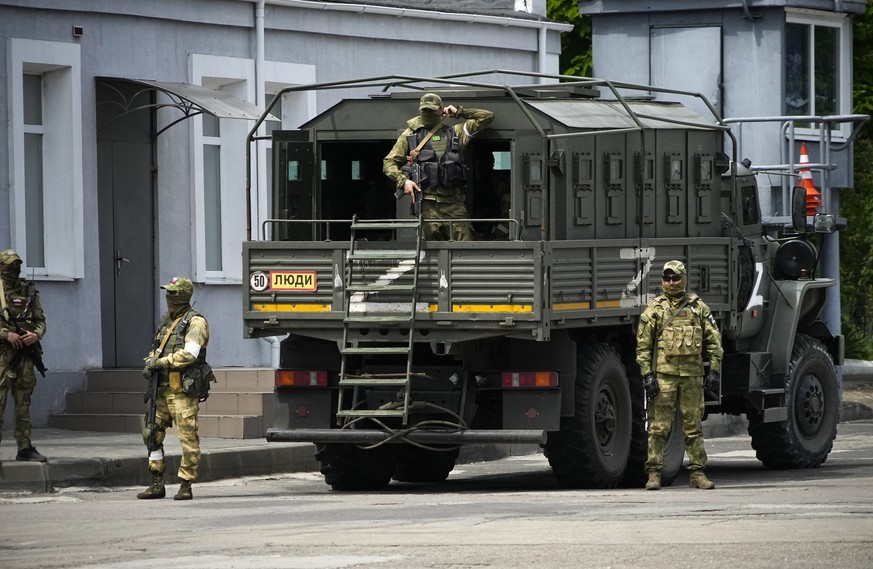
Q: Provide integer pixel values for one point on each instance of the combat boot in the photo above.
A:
(654, 482)
(29, 453)
(156, 488)
(184, 492)
(699, 480)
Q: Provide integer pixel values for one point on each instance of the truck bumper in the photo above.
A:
(370, 436)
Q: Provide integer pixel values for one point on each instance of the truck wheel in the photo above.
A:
(635, 471)
(674, 452)
(416, 464)
(812, 399)
(349, 467)
(591, 449)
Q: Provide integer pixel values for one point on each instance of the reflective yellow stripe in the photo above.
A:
(571, 306)
(492, 308)
(275, 307)
(608, 304)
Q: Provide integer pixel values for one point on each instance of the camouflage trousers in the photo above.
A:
(687, 393)
(432, 209)
(20, 379)
(180, 410)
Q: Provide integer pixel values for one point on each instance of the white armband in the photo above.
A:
(192, 348)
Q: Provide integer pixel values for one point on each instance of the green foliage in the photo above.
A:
(575, 45)
(859, 346)
(856, 204)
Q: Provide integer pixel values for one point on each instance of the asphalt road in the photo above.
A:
(506, 513)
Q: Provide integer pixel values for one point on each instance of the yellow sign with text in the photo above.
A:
(293, 280)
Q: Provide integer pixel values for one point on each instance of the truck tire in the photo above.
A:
(416, 464)
(635, 475)
(812, 399)
(674, 451)
(592, 447)
(635, 471)
(349, 467)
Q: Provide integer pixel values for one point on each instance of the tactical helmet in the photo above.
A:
(677, 267)
(8, 257)
(430, 101)
(180, 285)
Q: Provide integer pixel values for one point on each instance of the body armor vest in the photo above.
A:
(447, 171)
(683, 336)
(176, 341)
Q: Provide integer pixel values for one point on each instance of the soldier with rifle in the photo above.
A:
(22, 326)
(179, 379)
(426, 162)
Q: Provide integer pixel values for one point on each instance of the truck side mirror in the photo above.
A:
(798, 209)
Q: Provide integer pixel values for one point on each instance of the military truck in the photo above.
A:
(399, 351)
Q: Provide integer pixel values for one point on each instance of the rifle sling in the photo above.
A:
(160, 349)
(424, 140)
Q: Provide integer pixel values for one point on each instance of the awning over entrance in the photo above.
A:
(191, 100)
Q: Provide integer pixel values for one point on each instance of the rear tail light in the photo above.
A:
(530, 379)
(300, 378)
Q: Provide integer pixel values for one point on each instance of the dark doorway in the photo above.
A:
(125, 156)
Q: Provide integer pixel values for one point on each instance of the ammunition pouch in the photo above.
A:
(196, 380)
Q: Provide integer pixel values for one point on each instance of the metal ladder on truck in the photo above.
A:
(356, 259)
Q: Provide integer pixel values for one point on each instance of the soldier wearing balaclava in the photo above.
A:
(177, 367)
(437, 149)
(22, 326)
(676, 333)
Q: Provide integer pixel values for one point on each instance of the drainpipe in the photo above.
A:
(275, 343)
(542, 51)
(260, 93)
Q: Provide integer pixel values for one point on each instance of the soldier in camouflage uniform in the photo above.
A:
(677, 331)
(182, 357)
(19, 302)
(441, 161)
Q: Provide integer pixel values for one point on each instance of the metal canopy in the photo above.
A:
(190, 100)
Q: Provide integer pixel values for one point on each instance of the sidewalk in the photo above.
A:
(80, 458)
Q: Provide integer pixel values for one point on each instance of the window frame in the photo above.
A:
(59, 65)
(235, 75)
(842, 23)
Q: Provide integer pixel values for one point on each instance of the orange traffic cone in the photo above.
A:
(813, 196)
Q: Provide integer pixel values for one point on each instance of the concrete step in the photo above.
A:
(219, 403)
(217, 426)
(240, 404)
(252, 380)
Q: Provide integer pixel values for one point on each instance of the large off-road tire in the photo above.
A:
(415, 464)
(812, 399)
(674, 451)
(592, 447)
(349, 467)
(635, 471)
(635, 475)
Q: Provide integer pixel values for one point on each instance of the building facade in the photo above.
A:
(125, 146)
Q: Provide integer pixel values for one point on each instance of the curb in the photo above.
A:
(275, 458)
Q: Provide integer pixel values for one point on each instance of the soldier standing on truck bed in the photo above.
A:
(675, 331)
(437, 148)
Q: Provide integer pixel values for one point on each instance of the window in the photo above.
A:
(816, 64)
(45, 157)
(219, 168)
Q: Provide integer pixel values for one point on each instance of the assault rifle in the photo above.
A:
(33, 351)
(414, 173)
(150, 397)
